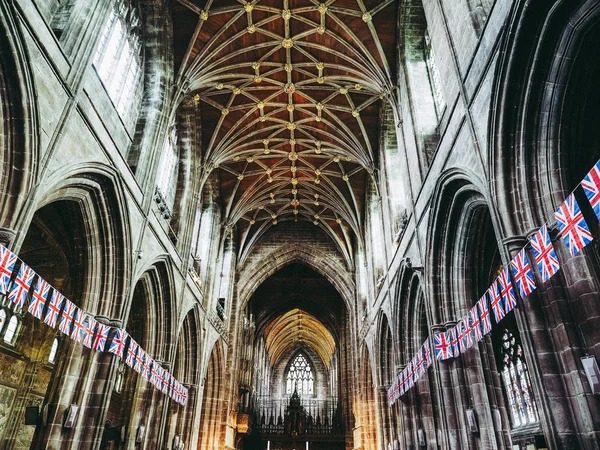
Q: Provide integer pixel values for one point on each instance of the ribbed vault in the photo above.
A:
(295, 329)
(290, 94)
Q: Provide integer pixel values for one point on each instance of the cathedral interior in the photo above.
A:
(299, 224)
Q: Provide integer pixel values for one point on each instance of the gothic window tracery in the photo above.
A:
(11, 330)
(167, 174)
(517, 384)
(300, 377)
(118, 60)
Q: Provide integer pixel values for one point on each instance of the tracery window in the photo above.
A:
(517, 384)
(11, 330)
(167, 174)
(434, 77)
(300, 377)
(2, 319)
(53, 351)
(118, 59)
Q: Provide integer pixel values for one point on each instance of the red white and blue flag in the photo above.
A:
(522, 272)
(38, 301)
(572, 225)
(442, 346)
(21, 284)
(159, 378)
(184, 396)
(7, 263)
(460, 336)
(154, 373)
(484, 314)
(453, 335)
(507, 291)
(117, 345)
(78, 325)
(467, 337)
(54, 307)
(475, 323)
(130, 360)
(147, 365)
(139, 359)
(101, 337)
(496, 302)
(88, 336)
(545, 256)
(591, 187)
(67, 317)
(427, 352)
(165, 381)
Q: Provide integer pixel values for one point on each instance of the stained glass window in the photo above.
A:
(516, 382)
(53, 350)
(300, 377)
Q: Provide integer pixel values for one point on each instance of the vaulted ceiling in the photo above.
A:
(290, 93)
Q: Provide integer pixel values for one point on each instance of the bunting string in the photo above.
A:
(500, 296)
(78, 325)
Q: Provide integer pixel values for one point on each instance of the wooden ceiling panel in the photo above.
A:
(290, 95)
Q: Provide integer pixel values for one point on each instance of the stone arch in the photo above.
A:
(150, 322)
(18, 126)
(365, 405)
(464, 259)
(186, 369)
(288, 254)
(538, 84)
(212, 418)
(97, 191)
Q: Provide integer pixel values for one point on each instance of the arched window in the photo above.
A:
(167, 174)
(2, 319)
(118, 60)
(515, 379)
(434, 77)
(53, 351)
(300, 377)
(120, 377)
(11, 330)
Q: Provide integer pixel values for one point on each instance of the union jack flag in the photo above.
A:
(40, 295)
(21, 284)
(427, 352)
(496, 302)
(545, 256)
(184, 396)
(460, 336)
(67, 317)
(7, 264)
(154, 373)
(147, 364)
(78, 325)
(484, 314)
(90, 327)
(131, 350)
(159, 378)
(176, 394)
(101, 337)
(442, 346)
(139, 359)
(467, 339)
(117, 345)
(591, 187)
(54, 306)
(475, 323)
(522, 273)
(453, 334)
(507, 291)
(572, 225)
(165, 381)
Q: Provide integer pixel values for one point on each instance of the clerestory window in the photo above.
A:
(118, 60)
